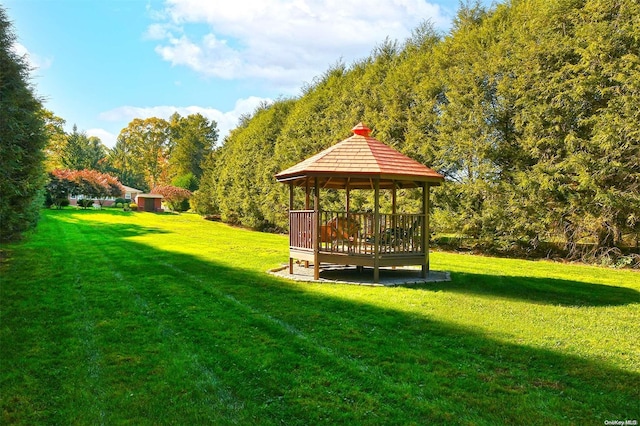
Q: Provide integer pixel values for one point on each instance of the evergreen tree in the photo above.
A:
(83, 152)
(192, 140)
(23, 137)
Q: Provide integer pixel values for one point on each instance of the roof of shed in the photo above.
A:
(149, 196)
(357, 161)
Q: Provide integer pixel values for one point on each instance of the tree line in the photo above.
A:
(148, 152)
(529, 108)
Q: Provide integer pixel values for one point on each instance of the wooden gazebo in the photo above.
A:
(371, 239)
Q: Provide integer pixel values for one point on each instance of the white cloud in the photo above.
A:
(282, 41)
(226, 120)
(107, 138)
(34, 61)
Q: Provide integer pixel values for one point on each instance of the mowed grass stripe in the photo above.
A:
(149, 354)
(60, 342)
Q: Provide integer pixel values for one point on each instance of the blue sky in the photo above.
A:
(99, 64)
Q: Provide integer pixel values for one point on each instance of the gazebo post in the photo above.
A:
(316, 230)
(393, 201)
(290, 208)
(394, 221)
(347, 200)
(426, 189)
(347, 204)
(376, 231)
(306, 207)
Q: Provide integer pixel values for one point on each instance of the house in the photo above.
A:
(129, 195)
(149, 203)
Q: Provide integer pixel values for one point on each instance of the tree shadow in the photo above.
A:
(537, 290)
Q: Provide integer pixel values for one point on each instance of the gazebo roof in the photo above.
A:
(357, 161)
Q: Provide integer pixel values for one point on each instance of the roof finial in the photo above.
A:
(361, 129)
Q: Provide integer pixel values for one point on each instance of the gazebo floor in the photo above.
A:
(340, 274)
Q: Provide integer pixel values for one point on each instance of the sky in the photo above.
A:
(99, 64)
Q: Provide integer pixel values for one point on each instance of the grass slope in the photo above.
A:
(109, 317)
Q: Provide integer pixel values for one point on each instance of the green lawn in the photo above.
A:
(111, 317)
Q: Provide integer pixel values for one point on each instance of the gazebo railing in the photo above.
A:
(401, 233)
(354, 232)
(301, 225)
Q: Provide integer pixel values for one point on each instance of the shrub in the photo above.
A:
(84, 203)
(133, 206)
(56, 203)
(121, 201)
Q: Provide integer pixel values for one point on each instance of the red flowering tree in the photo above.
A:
(89, 183)
(94, 184)
(173, 196)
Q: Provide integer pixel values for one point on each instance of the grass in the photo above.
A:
(110, 317)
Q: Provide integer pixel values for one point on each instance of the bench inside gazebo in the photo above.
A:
(364, 239)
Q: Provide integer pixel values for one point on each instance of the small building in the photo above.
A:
(365, 239)
(149, 203)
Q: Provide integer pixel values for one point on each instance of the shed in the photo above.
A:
(365, 239)
(149, 202)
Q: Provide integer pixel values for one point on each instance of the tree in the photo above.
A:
(193, 138)
(83, 152)
(89, 183)
(94, 184)
(125, 164)
(61, 184)
(204, 200)
(57, 141)
(23, 137)
(147, 144)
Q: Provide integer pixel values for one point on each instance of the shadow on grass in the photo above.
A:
(537, 290)
(269, 350)
(529, 289)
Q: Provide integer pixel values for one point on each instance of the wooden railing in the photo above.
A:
(401, 233)
(354, 233)
(301, 225)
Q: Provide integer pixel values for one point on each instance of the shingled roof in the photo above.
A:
(358, 160)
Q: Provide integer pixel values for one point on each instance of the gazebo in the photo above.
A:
(371, 239)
